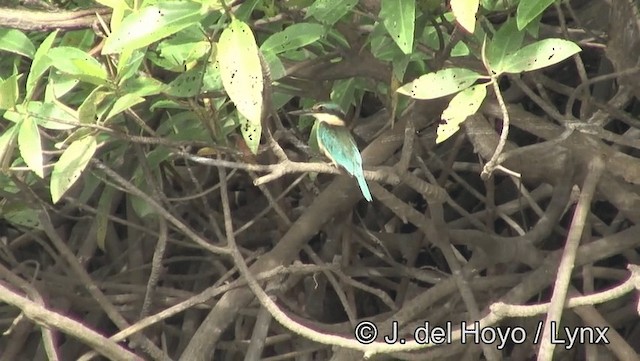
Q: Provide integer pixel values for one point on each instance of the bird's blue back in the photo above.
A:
(338, 144)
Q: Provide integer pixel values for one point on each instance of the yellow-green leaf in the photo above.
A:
(9, 92)
(15, 41)
(151, 24)
(70, 166)
(241, 72)
(123, 103)
(464, 104)
(540, 54)
(30, 145)
(40, 64)
(465, 13)
(440, 83)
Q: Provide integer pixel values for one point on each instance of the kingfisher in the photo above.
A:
(336, 142)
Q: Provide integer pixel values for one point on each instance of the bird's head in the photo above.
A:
(329, 113)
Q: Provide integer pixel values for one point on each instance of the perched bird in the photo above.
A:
(336, 142)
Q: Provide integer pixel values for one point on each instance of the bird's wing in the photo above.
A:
(338, 144)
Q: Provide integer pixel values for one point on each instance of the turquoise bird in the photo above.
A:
(336, 142)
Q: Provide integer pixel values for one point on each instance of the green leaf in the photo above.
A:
(40, 64)
(152, 24)
(70, 166)
(167, 104)
(539, 55)
(30, 146)
(123, 103)
(293, 37)
(141, 207)
(506, 42)
(529, 10)
(79, 64)
(102, 215)
(88, 110)
(439, 84)
(245, 9)
(129, 63)
(175, 56)
(46, 115)
(241, 73)
(81, 39)
(330, 11)
(382, 47)
(15, 41)
(399, 19)
(7, 145)
(59, 84)
(343, 92)
(276, 68)
(20, 214)
(465, 13)
(143, 86)
(400, 64)
(192, 83)
(9, 92)
(464, 104)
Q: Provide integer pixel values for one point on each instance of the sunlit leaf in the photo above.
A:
(251, 133)
(9, 92)
(87, 111)
(79, 64)
(30, 146)
(465, 13)
(46, 115)
(123, 103)
(175, 56)
(153, 23)
(129, 63)
(69, 167)
(40, 64)
(505, 42)
(539, 55)
(441, 83)
(15, 41)
(241, 74)
(464, 104)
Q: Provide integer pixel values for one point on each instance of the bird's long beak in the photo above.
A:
(302, 112)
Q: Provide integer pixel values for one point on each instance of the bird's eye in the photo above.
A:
(320, 108)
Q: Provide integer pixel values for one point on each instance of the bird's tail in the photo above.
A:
(363, 186)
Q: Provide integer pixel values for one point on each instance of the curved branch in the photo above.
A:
(33, 20)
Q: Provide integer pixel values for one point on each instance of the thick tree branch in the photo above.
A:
(33, 20)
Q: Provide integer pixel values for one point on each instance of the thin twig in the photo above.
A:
(493, 162)
(97, 294)
(54, 320)
(568, 258)
(158, 208)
